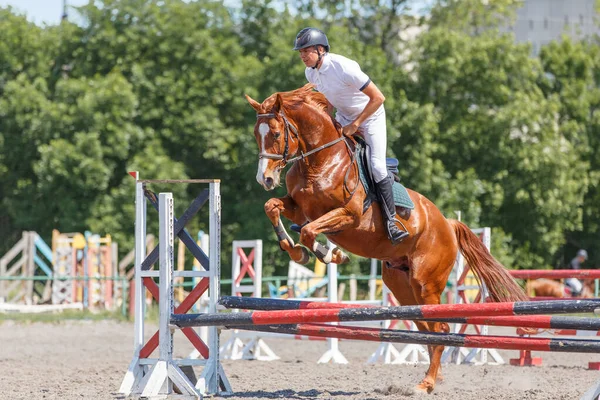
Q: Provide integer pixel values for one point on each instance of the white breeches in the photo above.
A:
(575, 284)
(374, 132)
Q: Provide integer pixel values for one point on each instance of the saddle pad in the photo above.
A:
(401, 197)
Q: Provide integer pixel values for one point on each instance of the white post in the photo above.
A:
(373, 279)
(135, 372)
(138, 380)
(258, 250)
(165, 307)
(592, 393)
(162, 376)
(213, 378)
(333, 354)
(202, 307)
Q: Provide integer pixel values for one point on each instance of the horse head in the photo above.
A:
(288, 126)
(277, 140)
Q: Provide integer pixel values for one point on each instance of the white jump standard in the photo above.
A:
(150, 377)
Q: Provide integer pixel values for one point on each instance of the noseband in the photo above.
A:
(289, 127)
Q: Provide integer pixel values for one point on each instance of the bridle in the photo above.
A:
(283, 157)
(289, 127)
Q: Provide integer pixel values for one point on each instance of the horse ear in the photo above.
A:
(253, 103)
(278, 103)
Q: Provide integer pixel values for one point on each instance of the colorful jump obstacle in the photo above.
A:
(28, 259)
(153, 376)
(77, 272)
(84, 265)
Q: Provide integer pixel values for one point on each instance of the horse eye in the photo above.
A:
(276, 135)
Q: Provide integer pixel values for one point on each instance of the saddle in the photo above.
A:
(401, 197)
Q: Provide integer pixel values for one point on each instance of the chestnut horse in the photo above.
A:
(551, 288)
(545, 288)
(324, 195)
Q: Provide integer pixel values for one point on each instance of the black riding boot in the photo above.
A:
(388, 209)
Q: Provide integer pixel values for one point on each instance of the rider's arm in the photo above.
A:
(376, 99)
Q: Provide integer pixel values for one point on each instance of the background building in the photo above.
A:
(541, 21)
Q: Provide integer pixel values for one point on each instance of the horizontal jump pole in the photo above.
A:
(431, 338)
(267, 304)
(179, 180)
(384, 313)
(247, 334)
(543, 298)
(530, 321)
(555, 273)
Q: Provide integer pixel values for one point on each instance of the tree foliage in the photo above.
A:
(478, 123)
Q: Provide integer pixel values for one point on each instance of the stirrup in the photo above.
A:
(398, 238)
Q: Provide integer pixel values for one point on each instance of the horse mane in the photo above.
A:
(294, 99)
(305, 95)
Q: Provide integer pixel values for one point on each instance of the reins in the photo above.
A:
(283, 157)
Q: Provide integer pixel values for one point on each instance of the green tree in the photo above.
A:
(495, 135)
(572, 77)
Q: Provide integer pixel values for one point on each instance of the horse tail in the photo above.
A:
(500, 285)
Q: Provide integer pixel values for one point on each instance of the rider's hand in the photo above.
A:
(349, 129)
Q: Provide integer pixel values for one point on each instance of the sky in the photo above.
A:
(50, 11)
(41, 11)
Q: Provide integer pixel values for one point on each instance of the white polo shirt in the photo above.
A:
(341, 81)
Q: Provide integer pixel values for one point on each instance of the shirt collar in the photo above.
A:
(326, 63)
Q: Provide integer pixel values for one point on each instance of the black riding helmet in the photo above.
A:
(311, 37)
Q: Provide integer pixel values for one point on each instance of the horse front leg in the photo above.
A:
(286, 206)
(334, 221)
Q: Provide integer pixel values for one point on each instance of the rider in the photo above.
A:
(573, 283)
(359, 104)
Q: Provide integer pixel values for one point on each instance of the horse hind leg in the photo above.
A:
(399, 284)
(433, 373)
(428, 284)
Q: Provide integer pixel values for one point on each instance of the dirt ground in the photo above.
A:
(87, 360)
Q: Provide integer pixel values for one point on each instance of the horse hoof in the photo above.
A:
(424, 387)
(340, 256)
(305, 257)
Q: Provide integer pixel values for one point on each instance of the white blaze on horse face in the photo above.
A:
(263, 129)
